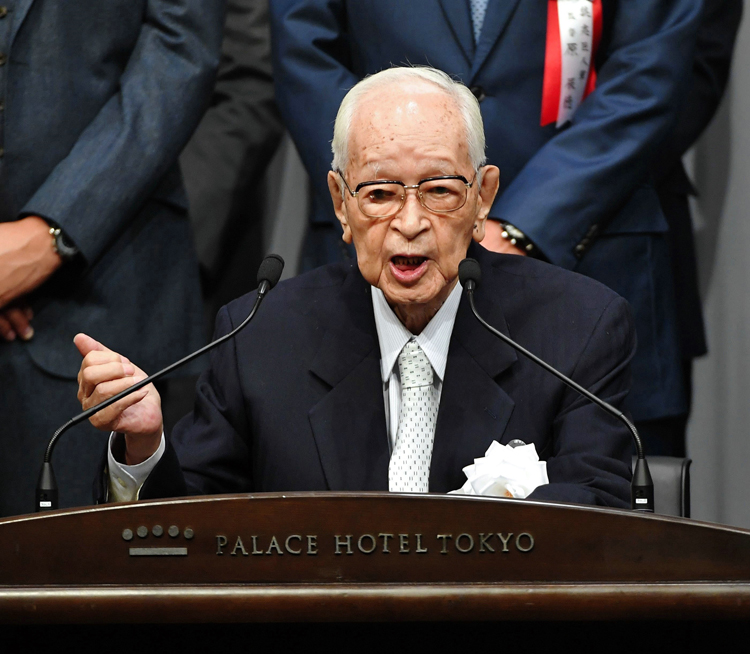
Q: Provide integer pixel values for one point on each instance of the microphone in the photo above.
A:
(642, 486)
(269, 273)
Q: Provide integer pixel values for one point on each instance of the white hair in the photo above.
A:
(464, 99)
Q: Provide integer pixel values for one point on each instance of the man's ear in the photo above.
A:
(337, 196)
(487, 192)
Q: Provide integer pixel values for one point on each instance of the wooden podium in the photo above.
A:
(366, 557)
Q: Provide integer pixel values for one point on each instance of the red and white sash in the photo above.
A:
(574, 29)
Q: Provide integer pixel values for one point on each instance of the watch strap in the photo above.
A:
(516, 237)
(62, 245)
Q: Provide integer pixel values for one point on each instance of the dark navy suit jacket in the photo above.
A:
(582, 193)
(295, 401)
(101, 98)
(710, 74)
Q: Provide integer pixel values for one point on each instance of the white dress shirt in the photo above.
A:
(125, 481)
(392, 336)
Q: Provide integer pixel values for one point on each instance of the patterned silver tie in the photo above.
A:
(478, 11)
(409, 469)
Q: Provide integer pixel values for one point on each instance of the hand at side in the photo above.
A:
(15, 321)
(27, 257)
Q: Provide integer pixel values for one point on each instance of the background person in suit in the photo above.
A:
(224, 161)
(98, 100)
(223, 168)
(314, 394)
(711, 63)
(578, 189)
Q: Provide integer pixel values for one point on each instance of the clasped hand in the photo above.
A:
(27, 259)
(105, 373)
(16, 321)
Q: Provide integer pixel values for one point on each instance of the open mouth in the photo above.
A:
(408, 270)
(406, 264)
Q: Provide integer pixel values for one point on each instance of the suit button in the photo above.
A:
(580, 249)
(478, 92)
(3, 12)
(3, 58)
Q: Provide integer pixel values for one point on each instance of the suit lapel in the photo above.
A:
(19, 14)
(497, 17)
(458, 17)
(474, 409)
(349, 422)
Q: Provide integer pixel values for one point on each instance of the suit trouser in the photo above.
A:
(33, 404)
(666, 436)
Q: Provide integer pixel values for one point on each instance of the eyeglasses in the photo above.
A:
(385, 198)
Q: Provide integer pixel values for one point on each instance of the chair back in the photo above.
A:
(671, 477)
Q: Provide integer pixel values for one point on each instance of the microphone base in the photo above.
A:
(46, 489)
(642, 488)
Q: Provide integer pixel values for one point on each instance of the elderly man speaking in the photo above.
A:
(375, 375)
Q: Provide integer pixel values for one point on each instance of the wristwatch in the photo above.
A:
(516, 237)
(64, 247)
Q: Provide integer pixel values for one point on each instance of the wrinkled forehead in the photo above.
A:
(398, 119)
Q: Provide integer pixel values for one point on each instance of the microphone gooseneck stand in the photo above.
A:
(269, 274)
(642, 486)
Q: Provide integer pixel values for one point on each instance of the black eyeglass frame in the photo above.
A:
(461, 178)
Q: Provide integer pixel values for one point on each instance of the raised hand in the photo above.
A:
(105, 373)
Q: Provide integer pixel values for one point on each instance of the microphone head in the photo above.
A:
(469, 271)
(270, 270)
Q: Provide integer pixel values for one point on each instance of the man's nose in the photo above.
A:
(412, 219)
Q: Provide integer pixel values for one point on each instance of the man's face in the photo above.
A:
(409, 133)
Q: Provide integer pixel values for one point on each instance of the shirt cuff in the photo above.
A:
(125, 481)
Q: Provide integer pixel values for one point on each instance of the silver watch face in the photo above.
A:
(513, 231)
(64, 247)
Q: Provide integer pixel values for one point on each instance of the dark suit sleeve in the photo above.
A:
(591, 452)
(587, 171)
(130, 145)
(226, 157)
(311, 60)
(208, 451)
(711, 64)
